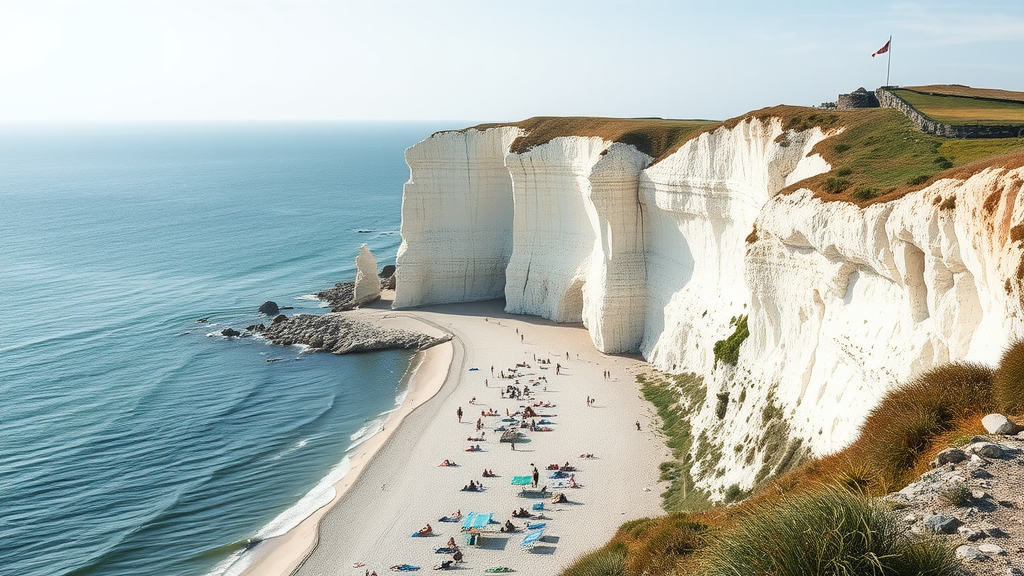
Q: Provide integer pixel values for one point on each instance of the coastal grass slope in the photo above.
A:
(901, 435)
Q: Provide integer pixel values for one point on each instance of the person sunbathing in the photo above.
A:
(452, 544)
(447, 462)
(586, 455)
(572, 482)
(479, 438)
(488, 473)
(426, 530)
(552, 466)
(508, 527)
(457, 557)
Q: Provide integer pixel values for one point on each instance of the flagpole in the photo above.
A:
(889, 61)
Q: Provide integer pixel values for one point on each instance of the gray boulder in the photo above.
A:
(269, 308)
(988, 450)
(950, 455)
(941, 524)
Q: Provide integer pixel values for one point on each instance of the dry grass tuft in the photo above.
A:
(1008, 380)
(899, 430)
(825, 532)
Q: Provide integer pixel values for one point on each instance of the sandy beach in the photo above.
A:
(396, 485)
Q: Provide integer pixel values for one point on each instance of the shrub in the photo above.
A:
(958, 495)
(1008, 380)
(835, 184)
(728, 350)
(723, 404)
(865, 192)
(845, 171)
(840, 148)
(828, 533)
(943, 162)
(917, 180)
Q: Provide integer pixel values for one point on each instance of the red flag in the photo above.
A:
(883, 49)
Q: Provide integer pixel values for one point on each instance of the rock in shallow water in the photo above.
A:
(269, 308)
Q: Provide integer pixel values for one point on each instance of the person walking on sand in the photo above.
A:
(638, 425)
(588, 401)
(459, 414)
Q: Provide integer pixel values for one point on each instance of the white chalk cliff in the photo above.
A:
(843, 302)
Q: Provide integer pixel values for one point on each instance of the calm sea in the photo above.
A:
(133, 438)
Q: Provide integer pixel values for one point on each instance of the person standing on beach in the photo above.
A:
(536, 477)
(513, 442)
(459, 414)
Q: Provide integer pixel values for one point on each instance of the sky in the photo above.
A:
(481, 60)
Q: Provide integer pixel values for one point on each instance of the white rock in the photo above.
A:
(367, 287)
(969, 553)
(999, 424)
(991, 549)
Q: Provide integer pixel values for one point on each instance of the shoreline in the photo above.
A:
(430, 370)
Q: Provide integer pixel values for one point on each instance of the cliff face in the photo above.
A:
(842, 302)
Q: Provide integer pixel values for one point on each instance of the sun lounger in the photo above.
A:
(532, 538)
(510, 435)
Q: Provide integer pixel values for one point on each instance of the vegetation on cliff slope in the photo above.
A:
(900, 436)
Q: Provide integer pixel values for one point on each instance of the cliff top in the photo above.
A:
(876, 154)
(655, 137)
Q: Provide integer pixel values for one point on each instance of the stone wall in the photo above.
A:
(889, 100)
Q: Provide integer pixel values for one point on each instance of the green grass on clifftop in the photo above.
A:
(964, 110)
(879, 155)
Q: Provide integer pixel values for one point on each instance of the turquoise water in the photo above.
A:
(134, 439)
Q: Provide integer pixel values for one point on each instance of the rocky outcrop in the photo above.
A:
(367, 286)
(841, 302)
(269, 308)
(972, 502)
(341, 334)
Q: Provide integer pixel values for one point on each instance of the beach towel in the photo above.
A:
(536, 526)
(418, 535)
(538, 506)
(476, 520)
(448, 519)
(446, 550)
(498, 569)
(406, 568)
(522, 480)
